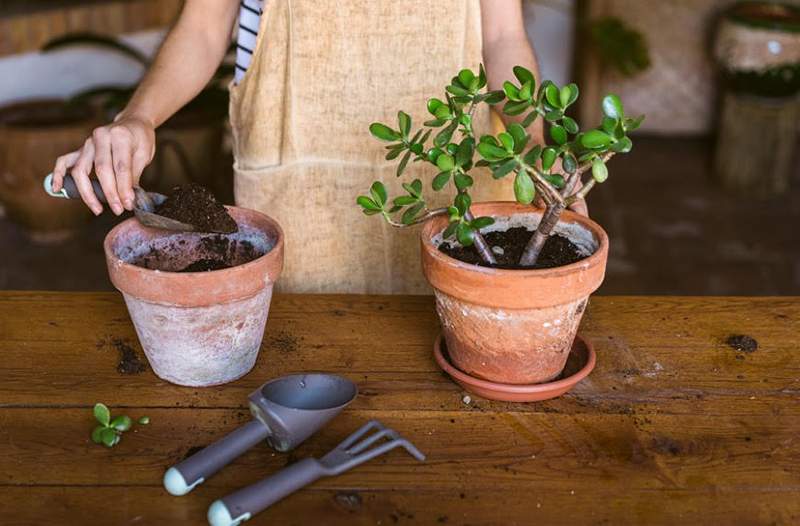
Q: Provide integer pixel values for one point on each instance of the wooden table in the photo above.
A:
(674, 426)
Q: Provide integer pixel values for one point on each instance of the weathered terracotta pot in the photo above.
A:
(513, 326)
(197, 328)
(32, 135)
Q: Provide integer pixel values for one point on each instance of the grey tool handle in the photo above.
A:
(243, 504)
(183, 477)
(69, 189)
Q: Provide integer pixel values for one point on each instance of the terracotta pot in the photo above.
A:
(32, 135)
(197, 328)
(513, 326)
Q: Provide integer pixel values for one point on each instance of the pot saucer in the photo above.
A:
(580, 363)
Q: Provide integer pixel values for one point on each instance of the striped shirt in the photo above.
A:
(249, 19)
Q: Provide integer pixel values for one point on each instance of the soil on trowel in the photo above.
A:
(195, 205)
(508, 246)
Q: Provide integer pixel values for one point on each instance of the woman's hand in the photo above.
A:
(119, 153)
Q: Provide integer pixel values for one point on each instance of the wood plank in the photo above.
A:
(656, 354)
(357, 506)
(465, 450)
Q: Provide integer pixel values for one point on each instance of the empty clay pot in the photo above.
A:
(32, 135)
(513, 326)
(197, 328)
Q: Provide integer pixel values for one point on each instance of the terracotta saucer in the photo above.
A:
(580, 363)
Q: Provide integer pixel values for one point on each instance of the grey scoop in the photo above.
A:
(286, 411)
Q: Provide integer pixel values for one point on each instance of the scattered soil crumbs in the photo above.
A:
(192, 450)
(195, 205)
(349, 500)
(129, 361)
(742, 343)
(557, 251)
(284, 342)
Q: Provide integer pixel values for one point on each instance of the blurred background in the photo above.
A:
(707, 203)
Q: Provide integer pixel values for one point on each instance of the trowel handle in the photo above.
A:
(243, 504)
(70, 189)
(183, 477)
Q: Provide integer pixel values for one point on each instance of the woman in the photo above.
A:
(320, 72)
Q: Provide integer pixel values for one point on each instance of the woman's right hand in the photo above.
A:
(119, 152)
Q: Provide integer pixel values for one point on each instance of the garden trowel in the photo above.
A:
(144, 205)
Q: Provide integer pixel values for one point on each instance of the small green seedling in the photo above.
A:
(109, 432)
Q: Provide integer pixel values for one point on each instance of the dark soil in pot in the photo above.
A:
(508, 246)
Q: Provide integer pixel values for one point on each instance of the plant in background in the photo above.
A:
(619, 46)
(109, 432)
(535, 167)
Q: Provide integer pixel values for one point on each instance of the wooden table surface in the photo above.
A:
(674, 426)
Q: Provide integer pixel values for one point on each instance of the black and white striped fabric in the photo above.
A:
(249, 18)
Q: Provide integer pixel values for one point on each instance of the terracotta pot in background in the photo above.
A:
(513, 326)
(32, 135)
(199, 328)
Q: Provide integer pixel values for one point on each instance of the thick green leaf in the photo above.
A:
(554, 115)
(411, 214)
(569, 163)
(96, 438)
(504, 169)
(548, 158)
(515, 108)
(524, 75)
(570, 125)
(526, 91)
(573, 94)
(434, 123)
(595, 139)
(378, 192)
(383, 132)
(465, 151)
(450, 230)
(445, 162)
(491, 152)
(467, 78)
(434, 154)
(465, 234)
(109, 437)
(462, 202)
(506, 140)
(367, 204)
(395, 152)
(493, 97)
(463, 181)
(623, 145)
(558, 133)
(440, 180)
(555, 180)
(612, 107)
(414, 188)
(552, 94)
(511, 91)
(533, 155)
(482, 222)
(443, 112)
(609, 125)
(457, 90)
(102, 414)
(529, 118)
(121, 423)
(524, 190)
(404, 123)
(443, 137)
(518, 133)
(481, 76)
(633, 123)
(404, 200)
(144, 420)
(599, 170)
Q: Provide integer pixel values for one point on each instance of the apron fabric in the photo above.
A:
(321, 72)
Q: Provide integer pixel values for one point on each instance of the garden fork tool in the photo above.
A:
(243, 504)
(286, 411)
(144, 204)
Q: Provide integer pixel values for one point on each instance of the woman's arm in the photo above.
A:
(183, 66)
(505, 45)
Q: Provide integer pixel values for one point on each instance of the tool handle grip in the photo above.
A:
(183, 477)
(72, 189)
(246, 502)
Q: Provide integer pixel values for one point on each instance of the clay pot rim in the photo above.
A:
(556, 387)
(430, 230)
(252, 263)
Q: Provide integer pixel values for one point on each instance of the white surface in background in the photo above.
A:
(65, 72)
(550, 26)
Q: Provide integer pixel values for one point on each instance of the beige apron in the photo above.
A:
(322, 71)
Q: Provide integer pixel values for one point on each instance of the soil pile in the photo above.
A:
(195, 205)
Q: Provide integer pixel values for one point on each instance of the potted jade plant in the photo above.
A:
(511, 279)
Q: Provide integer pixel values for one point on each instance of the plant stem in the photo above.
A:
(546, 225)
(421, 219)
(484, 251)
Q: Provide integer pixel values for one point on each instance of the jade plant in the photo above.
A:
(549, 175)
(110, 430)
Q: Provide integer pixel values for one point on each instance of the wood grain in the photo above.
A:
(673, 427)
